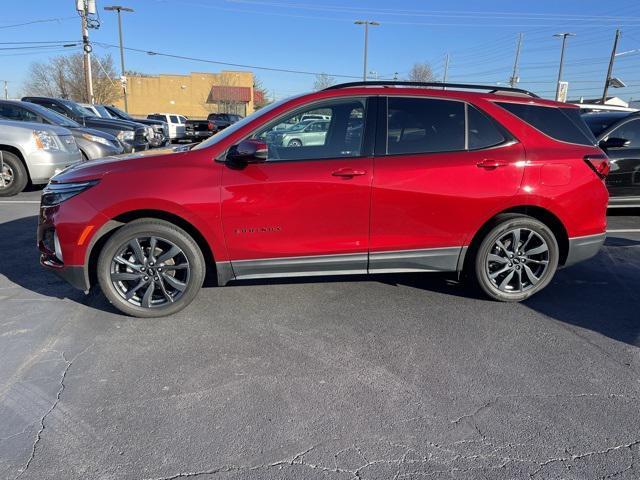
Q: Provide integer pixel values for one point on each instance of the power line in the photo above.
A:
(217, 62)
(44, 20)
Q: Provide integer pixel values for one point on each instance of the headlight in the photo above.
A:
(45, 140)
(94, 138)
(56, 193)
(124, 136)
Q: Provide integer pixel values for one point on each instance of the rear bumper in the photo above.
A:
(199, 134)
(583, 248)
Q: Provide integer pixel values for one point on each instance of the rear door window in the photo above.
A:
(174, 119)
(558, 123)
(420, 125)
(482, 131)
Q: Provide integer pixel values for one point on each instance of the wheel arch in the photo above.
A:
(109, 228)
(539, 213)
(16, 151)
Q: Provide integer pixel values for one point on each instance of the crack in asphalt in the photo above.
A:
(401, 461)
(68, 364)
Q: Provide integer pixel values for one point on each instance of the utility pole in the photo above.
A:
(6, 89)
(446, 70)
(366, 24)
(564, 42)
(86, 8)
(610, 70)
(514, 77)
(120, 8)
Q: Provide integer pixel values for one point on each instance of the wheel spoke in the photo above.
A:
(515, 242)
(173, 251)
(125, 276)
(497, 258)
(524, 245)
(506, 280)
(164, 290)
(182, 266)
(539, 262)
(498, 272)
(501, 245)
(152, 248)
(175, 283)
(532, 278)
(148, 294)
(137, 250)
(537, 250)
(519, 275)
(129, 295)
(123, 261)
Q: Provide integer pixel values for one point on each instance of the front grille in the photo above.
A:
(69, 143)
(141, 134)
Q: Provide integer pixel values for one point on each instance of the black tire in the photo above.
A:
(294, 143)
(189, 278)
(513, 276)
(13, 175)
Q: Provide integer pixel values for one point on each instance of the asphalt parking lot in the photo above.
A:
(383, 377)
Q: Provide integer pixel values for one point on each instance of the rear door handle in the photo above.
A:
(491, 164)
(348, 173)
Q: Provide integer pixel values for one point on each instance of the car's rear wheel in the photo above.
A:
(13, 175)
(517, 258)
(150, 268)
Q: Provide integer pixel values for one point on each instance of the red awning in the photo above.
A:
(229, 94)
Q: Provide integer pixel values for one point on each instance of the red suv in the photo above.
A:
(487, 181)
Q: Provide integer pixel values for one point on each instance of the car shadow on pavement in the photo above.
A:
(600, 294)
(21, 265)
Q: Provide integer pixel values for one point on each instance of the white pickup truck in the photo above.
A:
(175, 122)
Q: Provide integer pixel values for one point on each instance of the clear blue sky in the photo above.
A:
(319, 36)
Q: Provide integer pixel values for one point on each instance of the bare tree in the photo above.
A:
(421, 72)
(63, 76)
(323, 81)
(260, 94)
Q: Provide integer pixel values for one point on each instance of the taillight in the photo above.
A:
(599, 164)
(210, 126)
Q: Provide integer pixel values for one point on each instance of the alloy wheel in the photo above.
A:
(6, 175)
(518, 261)
(150, 272)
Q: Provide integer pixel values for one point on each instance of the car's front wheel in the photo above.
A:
(150, 268)
(13, 175)
(517, 258)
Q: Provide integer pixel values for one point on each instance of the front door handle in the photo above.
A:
(491, 164)
(348, 173)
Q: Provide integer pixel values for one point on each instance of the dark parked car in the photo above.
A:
(132, 135)
(199, 129)
(223, 120)
(503, 188)
(160, 128)
(618, 134)
(92, 143)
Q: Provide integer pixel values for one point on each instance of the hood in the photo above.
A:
(95, 169)
(111, 123)
(36, 126)
(97, 133)
(146, 121)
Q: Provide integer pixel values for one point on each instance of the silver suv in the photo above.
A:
(33, 152)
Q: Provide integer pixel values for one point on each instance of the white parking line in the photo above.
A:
(19, 201)
(628, 230)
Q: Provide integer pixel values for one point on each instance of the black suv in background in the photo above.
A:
(618, 134)
(131, 134)
(160, 128)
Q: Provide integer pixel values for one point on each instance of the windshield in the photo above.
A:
(78, 110)
(54, 117)
(238, 125)
(119, 113)
(102, 111)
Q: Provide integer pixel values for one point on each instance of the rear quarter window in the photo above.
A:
(564, 124)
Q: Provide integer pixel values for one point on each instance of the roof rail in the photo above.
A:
(443, 85)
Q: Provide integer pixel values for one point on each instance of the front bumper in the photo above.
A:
(74, 275)
(583, 248)
(135, 146)
(45, 164)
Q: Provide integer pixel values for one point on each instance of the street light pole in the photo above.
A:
(119, 9)
(607, 81)
(366, 24)
(564, 42)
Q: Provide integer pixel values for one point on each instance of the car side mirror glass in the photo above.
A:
(248, 151)
(614, 142)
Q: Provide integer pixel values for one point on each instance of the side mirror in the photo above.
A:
(248, 151)
(614, 142)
